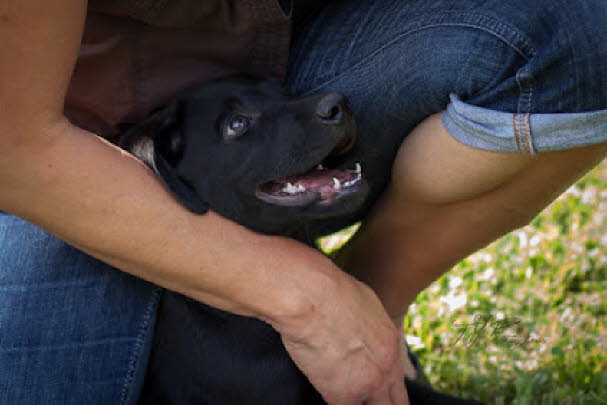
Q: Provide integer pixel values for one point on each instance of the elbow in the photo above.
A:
(22, 146)
(21, 137)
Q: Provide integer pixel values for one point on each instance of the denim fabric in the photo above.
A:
(523, 63)
(72, 329)
(493, 130)
(517, 75)
(514, 75)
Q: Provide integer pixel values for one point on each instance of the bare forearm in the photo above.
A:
(104, 201)
(110, 205)
(107, 203)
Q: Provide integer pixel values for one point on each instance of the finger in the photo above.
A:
(398, 394)
(398, 390)
(409, 369)
(381, 397)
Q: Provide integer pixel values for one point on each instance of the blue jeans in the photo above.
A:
(73, 330)
(517, 75)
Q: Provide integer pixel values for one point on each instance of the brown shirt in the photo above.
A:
(136, 54)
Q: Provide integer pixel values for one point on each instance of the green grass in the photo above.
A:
(541, 294)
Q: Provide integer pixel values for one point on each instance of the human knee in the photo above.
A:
(434, 168)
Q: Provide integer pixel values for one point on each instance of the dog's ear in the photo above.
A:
(160, 132)
(168, 139)
(184, 193)
(159, 143)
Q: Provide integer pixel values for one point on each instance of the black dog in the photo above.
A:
(243, 148)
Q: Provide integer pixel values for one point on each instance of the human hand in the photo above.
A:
(347, 346)
(410, 371)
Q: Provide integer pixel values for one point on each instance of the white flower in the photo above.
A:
(455, 282)
(487, 274)
(523, 240)
(589, 196)
(415, 342)
(453, 301)
(528, 272)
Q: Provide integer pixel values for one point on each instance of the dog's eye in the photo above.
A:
(236, 125)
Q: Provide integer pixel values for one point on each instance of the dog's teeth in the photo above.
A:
(336, 183)
(358, 168)
(352, 182)
(320, 167)
(292, 189)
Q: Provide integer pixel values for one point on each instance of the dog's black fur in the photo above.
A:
(220, 146)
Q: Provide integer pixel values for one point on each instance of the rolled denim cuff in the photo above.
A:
(499, 131)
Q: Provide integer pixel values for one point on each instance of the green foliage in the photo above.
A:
(550, 279)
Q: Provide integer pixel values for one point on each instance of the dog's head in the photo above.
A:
(244, 148)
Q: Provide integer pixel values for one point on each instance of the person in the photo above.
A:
(503, 105)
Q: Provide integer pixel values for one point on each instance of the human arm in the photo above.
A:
(105, 202)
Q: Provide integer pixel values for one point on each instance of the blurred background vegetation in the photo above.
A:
(523, 321)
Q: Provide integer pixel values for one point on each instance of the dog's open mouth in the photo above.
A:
(321, 185)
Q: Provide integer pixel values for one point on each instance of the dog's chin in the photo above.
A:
(318, 186)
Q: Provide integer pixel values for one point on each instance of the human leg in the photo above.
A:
(408, 242)
(509, 77)
(72, 329)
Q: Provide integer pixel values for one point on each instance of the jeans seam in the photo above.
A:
(525, 43)
(126, 391)
(523, 48)
(522, 117)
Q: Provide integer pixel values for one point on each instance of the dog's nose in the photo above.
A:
(330, 108)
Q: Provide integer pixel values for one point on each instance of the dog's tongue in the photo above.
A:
(318, 184)
(326, 182)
